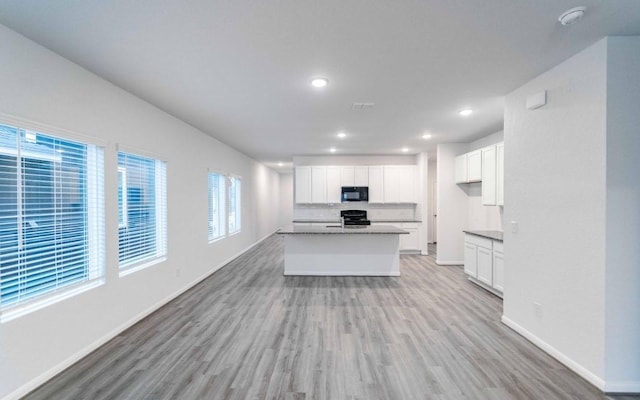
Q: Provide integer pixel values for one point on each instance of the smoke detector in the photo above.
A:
(572, 16)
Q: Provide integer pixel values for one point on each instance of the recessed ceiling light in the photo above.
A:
(426, 136)
(405, 149)
(319, 82)
(572, 16)
(466, 112)
(280, 164)
(333, 149)
(341, 135)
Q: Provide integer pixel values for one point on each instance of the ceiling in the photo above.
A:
(239, 70)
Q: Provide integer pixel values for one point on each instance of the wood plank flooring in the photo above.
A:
(248, 332)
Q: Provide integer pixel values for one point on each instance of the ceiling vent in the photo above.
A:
(362, 106)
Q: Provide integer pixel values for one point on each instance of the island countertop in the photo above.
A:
(495, 235)
(338, 230)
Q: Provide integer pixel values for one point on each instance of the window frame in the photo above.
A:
(237, 201)
(142, 261)
(92, 213)
(222, 206)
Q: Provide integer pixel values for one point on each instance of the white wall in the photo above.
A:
(572, 186)
(622, 286)
(452, 206)
(40, 86)
(431, 179)
(286, 199)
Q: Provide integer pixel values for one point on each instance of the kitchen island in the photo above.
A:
(332, 250)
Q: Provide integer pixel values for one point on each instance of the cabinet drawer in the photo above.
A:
(498, 246)
(479, 241)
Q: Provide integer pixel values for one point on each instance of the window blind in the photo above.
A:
(51, 215)
(141, 210)
(216, 206)
(235, 204)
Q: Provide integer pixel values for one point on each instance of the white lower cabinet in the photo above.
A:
(470, 259)
(498, 266)
(484, 262)
(408, 243)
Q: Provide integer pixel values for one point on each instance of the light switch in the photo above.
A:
(514, 226)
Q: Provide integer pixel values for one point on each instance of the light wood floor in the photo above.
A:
(248, 332)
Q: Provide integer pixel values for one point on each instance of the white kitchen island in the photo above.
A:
(335, 251)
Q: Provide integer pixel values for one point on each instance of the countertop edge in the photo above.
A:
(493, 235)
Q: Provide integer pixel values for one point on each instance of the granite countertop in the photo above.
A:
(350, 230)
(495, 235)
(377, 221)
(337, 221)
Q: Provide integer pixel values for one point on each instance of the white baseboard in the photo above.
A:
(624, 387)
(52, 372)
(558, 355)
(448, 262)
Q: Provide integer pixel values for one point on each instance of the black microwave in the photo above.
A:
(355, 193)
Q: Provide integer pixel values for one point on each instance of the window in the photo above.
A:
(235, 204)
(122, 198)
(142, 211)
(51, 218)
(216, 206)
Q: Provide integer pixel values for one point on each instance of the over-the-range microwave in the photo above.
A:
(355, 193)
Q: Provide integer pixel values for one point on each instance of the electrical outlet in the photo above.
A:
(537, 308)
(178, 273)
(514, 226)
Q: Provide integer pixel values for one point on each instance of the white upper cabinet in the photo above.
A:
(303, 184)
(361, 176)
(391, 184)
(319, 184)
(387, 184)
(489, 176)
(347, 177)
(334, 191)
(474, 166)
(399, 184)
(354, 176)
(461, 169)
(468, 167)
(500, 174)
(407, 184)
(376, 186)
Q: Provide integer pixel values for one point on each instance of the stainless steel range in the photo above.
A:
(354, 217)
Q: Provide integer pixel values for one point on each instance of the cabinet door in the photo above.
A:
(498, 271)
(318, 184)
(334, 191)
(391, 184)
(407, 184)
(500, 174)
(489, 176)
(303, 185)
(412, 240)
(474, 166)
(470, 259)
(361, 176)
(485, 266)
(461, 169)
(347, 177)
(376, 185)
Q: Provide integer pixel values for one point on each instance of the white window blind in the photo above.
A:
(216, 206)
(235, 204)
(51, 217)
(142, 210)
